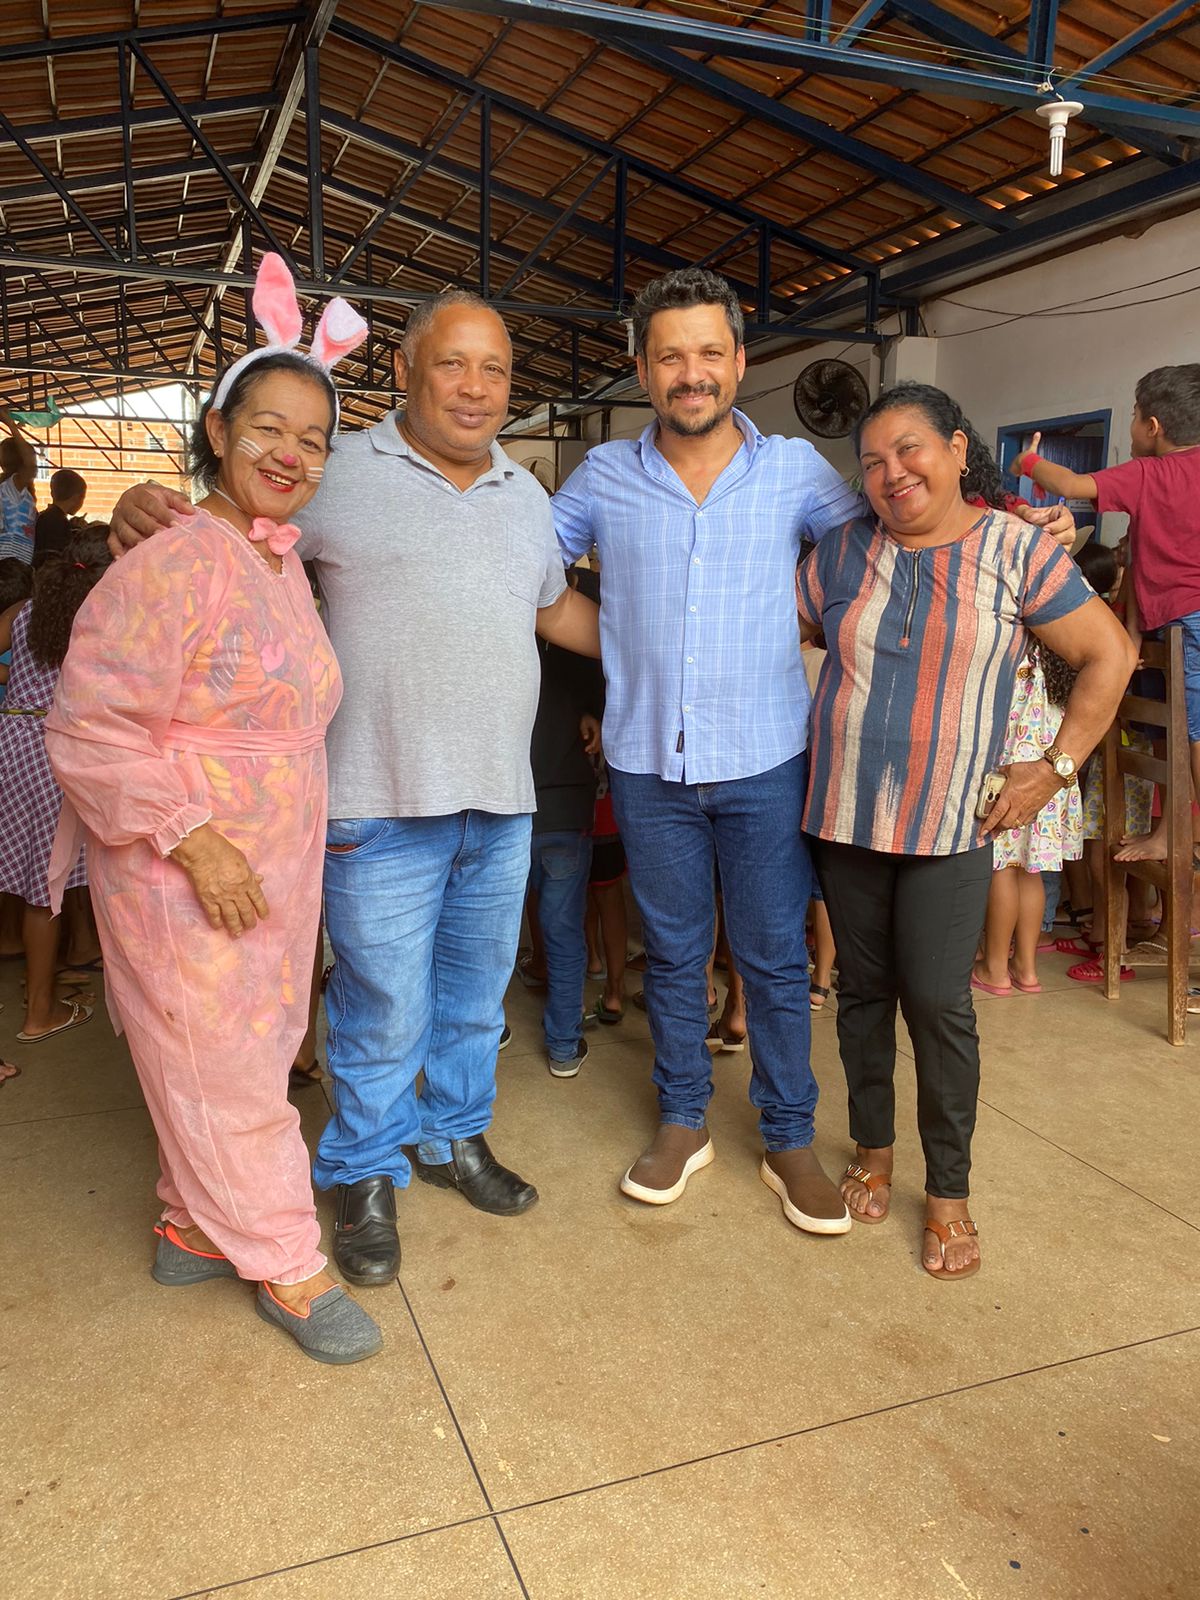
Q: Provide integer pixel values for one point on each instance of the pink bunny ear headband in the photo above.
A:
(277, 313)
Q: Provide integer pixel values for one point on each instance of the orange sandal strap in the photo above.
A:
(869, 1180)
(956, 1228)
(168, 1231)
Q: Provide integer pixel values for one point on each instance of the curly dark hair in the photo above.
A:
(16, 581)
(679, 290)
(946, 417)
(1059, 675)
(203, 461)
(61, 585)
(1098, 563)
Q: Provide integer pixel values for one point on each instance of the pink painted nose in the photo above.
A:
(288, 460)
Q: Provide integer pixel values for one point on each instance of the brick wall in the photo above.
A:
(77, 444)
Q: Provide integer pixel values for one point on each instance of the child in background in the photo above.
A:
(18, 509)
(606, 922)
(1159, 488)
(39, 631)
(16, 585)
(52, 529)
(1017, 896)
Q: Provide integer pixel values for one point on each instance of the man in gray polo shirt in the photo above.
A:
(438, 561)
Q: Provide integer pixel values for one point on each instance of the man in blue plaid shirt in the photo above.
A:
(698, 524)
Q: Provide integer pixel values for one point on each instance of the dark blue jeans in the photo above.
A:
(673, 834)
(558, 873)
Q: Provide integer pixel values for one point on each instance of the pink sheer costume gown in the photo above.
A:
(198, 686)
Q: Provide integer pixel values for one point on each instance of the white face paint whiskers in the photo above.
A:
(251, 447)
(314, 474)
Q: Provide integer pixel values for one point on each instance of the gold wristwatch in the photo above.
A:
(1063, 764)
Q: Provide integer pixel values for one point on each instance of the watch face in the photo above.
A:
(1064, 766)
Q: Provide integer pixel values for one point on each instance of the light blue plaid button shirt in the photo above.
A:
(698, 625)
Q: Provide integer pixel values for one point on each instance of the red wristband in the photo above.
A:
(1026, 462)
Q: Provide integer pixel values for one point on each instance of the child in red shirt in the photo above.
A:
(1159, 488)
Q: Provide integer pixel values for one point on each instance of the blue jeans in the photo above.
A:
(674, 833)
(423, 914)
(1191, 672)
(558, 874)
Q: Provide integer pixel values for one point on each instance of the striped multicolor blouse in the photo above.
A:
(912, 703)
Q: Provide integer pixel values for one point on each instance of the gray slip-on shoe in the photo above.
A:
(335, 1328)
(175, 1264)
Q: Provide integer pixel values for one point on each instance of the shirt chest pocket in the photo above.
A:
(524, 563)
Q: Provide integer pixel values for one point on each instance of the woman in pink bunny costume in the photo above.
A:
(188, 736)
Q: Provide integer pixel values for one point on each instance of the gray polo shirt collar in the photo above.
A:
(386, 437)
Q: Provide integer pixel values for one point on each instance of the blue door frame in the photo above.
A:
(1010, 441)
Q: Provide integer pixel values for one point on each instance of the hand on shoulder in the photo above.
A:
(143, 511)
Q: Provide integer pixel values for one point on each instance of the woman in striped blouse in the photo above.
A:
(924, 608)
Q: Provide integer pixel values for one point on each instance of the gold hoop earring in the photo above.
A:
(964, 472)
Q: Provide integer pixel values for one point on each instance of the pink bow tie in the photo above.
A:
(279, 536)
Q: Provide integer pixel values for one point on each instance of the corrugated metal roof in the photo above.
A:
(383, 117)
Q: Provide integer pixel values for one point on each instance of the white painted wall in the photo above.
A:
(1007, 372)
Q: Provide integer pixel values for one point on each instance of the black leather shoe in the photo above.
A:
(366, 1245)
(474, 1171)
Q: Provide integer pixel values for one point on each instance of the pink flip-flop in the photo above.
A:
(1025, 988)
(1000, 990)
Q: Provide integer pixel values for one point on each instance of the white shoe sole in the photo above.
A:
(801, 1219)
(663, 1197)
(563, 1069)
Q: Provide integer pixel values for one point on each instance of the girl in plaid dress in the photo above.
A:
(38, 631)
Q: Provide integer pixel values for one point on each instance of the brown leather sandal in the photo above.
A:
(943, 1232)
(870, 1181)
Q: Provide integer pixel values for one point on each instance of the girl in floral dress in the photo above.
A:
(1017, 897)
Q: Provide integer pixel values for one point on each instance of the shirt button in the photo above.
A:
(691, 659)
(687, 708)
(691, 608)
(695, 561)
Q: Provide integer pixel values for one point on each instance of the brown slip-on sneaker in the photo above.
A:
(660, 1174)
(809, 1199)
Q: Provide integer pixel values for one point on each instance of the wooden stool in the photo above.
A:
(1172, 877)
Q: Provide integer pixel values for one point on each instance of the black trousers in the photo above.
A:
(907, 929)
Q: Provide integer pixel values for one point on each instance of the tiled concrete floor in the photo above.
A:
(603, 1400)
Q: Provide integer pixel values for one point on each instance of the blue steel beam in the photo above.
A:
(1041, 31)
(817, 15)
(470, 179)
(151, 117)
(78, 43)
(214, 156)
(56, 184)
(20, 262)
(813, 131)
(1019, 88)
(948, 28)
(391, 206)
(115, 178)
(862, 19)
(1058, 223)
(423, 67)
